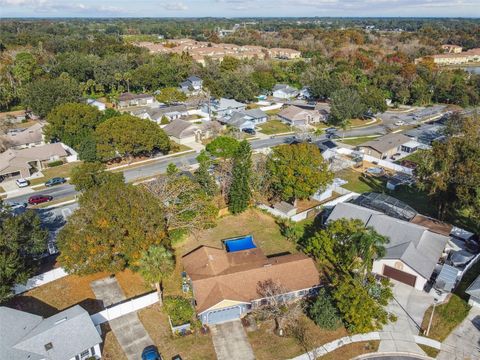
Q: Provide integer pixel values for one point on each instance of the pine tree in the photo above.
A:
(202, 175)
(240, 194)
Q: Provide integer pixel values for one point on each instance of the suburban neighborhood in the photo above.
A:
(215, 188)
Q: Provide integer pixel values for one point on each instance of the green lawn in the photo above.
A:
(417, 199)
(273, 112)
(446, 317)
(358, 140)
(57, 171)
(274, 127)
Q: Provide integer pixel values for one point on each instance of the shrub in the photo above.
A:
(323, 311)
(55, 163)
(179, 309)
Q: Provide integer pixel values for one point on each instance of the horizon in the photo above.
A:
(233, 9)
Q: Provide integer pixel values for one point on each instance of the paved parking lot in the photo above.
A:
(128, 329)
(230, 341)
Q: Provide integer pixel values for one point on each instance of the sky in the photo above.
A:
(239, 8)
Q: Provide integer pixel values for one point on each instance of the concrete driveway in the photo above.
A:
(230, 341)
(128, 329)
(464, 341)
(409, 306)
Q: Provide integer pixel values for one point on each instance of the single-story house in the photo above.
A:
(193, 83)
(183, 132)
(385, 146)
(171, 112)
(25, 138)
(296, 116)
(284, 91)
(23, 163)
(14, 117)
(225, 283)
(223, 107)
(128, 99)
(474, 291)
(68, 335)
(412, 252)
(98, 104)
(245, 119)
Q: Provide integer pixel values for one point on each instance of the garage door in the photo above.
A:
(399, 275)
(223, 315)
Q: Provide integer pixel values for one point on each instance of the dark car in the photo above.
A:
(249, 131)
(55, 181)
(38, 199)
(177, 357)
(151, 353)
(331, 130)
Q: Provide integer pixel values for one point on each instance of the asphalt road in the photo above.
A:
(157, 167)
(394, 357)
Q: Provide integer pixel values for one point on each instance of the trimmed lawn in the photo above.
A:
(446, 317)
(195, 346)
(358, 140)
(351, 351)
(268, 346)
(274, 127)
(432, 352)
(56, 171)
(263, 227)
(419, 200)
(273, 112)
(70, 290)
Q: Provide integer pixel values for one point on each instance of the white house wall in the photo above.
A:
(379, 265)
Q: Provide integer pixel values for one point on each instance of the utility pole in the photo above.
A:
(431, 316)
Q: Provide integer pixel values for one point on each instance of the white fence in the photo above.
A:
(382, 163)
(40, 280)
(124, 308)
(73, 154)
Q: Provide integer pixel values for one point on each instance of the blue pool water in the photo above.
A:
(240, 243)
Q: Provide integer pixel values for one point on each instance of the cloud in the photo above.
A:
(57, 7)
(175, 7)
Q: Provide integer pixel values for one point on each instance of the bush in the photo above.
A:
(179, 309)
(323, 311)
(55, 163)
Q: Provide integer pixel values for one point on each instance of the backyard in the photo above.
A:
(274, 127)
(417, 199)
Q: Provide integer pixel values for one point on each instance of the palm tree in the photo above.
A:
(156, 264)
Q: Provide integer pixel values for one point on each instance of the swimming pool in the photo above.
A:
(239, 243)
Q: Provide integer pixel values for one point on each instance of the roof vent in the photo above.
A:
(60, 321)
(48, 346)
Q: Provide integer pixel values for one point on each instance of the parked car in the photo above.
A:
(16, 208)
(39, 199)
(151, 353)
(249, 131)
(399, 123)
(21, 183)
(177, 357)
(331, 130)
(55, 181)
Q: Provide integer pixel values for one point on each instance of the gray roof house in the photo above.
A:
(183, 132)
(193, 83)
(412, 251)
(474, 291)
(246, 119)
(25, 138)
(129, 99)
(68, 335)
(222, 107)
(385, 146)
(284, 91)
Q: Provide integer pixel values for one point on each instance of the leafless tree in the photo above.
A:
(185, 205)
(277, 306)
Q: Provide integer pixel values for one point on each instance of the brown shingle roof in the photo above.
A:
(217, 275)
(433, 225)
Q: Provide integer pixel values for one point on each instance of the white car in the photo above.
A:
(21, 183)
(399, 123)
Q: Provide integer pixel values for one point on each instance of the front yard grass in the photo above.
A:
(274, 127)
(269, 346)
(56, 171)
(70, 290)
(432, 352)
(357, 140)
(351, 351)
(195, 346)
(446, 317)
